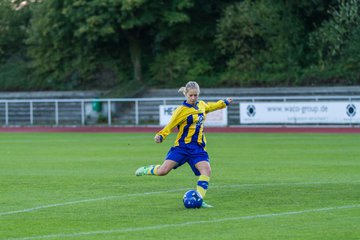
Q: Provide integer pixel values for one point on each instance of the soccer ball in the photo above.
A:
(192, 199)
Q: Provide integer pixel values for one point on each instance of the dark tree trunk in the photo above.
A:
(135, 55)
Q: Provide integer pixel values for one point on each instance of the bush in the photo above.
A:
(13, 75)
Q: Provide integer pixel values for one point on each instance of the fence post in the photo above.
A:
(56, 113)
(6, 113)
(109, 112)
(136, 112)
(31, 113)
(82, 113)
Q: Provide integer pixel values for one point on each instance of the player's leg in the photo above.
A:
(166, 167)
(204, 178)
(200, 164)
(174, 158)
(157, 170)
(204, 169)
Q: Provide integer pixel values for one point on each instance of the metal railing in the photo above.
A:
(118, 111)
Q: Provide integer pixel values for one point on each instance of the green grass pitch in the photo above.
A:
(263, 186)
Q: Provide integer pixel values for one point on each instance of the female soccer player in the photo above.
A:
(190, 143)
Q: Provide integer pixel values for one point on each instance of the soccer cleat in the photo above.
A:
(141, 171)
(144, 170)
(205, 205)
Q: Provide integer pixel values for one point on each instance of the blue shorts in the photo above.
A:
(191, 153)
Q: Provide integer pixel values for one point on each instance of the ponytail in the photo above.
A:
(182, 90)
(188, 86)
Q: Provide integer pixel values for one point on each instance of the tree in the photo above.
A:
(334, 35)
(187, 52)
(66, 35)
(258, 37)
(12, 29)
(336, 46)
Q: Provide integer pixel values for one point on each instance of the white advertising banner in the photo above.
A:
(217, 118)
(344, 112)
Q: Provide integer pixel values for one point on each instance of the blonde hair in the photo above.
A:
(188, 86)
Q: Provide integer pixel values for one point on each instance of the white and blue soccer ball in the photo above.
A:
(192, 199)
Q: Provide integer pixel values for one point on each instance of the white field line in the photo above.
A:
(184, 224)
(87, 200)
(159, 192)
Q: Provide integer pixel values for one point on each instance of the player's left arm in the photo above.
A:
(213, 106)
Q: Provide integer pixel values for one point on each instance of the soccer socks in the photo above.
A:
(152, 170)
(202, 185)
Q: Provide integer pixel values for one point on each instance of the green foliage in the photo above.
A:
(13, 26)
(67, 38)
(259, 38)
(178, 65)
(109, 44)
(186, 52)
(350, 57)
(336, 43)
(335, 34)
(63, 51)
(13, 75)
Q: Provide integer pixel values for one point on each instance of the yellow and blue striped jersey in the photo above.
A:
(189, 120)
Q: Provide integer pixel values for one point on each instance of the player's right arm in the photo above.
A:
(175, 120)
(158, 138)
